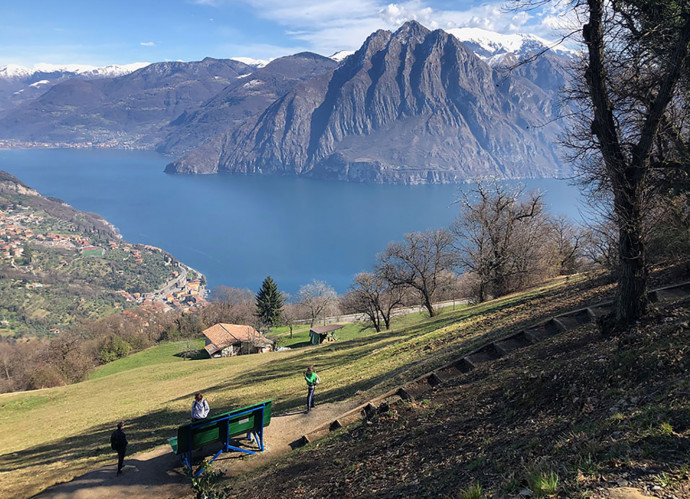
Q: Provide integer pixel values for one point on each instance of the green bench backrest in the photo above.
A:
(219, 427)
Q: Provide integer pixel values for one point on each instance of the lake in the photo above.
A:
(238, 229)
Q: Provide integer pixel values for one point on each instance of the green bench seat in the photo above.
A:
(249, 420)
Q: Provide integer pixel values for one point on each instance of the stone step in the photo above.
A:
(543, 331)
(673, 293)
(463, 365)
(574, 320)
(418, 388)
(448, 372)
(513, 342)
(485, 354)
(600, 310)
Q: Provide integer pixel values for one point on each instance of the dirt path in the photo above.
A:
(158, 472)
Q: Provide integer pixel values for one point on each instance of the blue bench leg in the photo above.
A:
(259, 438)
(202, 468)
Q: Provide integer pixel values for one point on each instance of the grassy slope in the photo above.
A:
(162, 354)
(569, 417)
(50, 435)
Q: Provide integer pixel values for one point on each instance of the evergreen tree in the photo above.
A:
(269, 303)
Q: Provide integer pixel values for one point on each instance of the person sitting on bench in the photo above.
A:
(199, 408)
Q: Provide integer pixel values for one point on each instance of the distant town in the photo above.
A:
(21, 228)
(106, 143)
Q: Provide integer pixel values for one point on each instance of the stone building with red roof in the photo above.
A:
(227, 340)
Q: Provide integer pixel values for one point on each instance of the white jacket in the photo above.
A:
(200, 409)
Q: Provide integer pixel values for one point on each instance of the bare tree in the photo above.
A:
(631, 124)
(375, 297)
(318, 298)
(290, 314)
(569, 240)
(418, 263)
(498, 236)
(231, 305)
(626, 145)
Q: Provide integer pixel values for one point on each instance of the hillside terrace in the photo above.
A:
(19, 227)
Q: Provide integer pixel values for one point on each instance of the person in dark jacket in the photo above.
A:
(118, 442)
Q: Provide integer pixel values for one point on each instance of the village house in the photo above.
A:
(227, 340)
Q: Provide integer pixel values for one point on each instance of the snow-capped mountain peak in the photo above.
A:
(114, 70)
(489, 44)
(14, 71)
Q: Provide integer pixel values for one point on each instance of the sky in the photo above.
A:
(102, 32)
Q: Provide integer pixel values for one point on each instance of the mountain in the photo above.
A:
(412, 106)
(242, 98)
(19, 84)
(125, 111)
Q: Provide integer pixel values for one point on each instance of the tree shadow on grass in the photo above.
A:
(200, 354)
(144, 433)
(301, 344)
(159, 471)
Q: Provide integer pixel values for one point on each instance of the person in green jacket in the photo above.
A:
(312, 380)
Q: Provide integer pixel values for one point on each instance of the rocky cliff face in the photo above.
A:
(242, 98)
(412, 106)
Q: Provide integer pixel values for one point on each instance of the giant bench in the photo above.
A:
(249, 420)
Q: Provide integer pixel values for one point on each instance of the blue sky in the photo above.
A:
(101, 32)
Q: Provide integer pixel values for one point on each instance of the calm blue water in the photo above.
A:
(236, 229)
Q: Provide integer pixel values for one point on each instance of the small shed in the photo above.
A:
(319, 334)
(227, 340)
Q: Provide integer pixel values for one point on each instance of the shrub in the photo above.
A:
(114, 348)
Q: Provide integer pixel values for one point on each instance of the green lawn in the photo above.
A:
(161, 354)
(54, 434)
(300, 334)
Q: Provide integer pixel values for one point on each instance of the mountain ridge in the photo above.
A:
(127, 111)
(423, 96)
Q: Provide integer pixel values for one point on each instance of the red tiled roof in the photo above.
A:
(211, 348)
(224, 335)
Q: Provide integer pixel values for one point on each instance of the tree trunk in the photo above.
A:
(428, 305)
(374, 318)
(631, 296)
(387, 320)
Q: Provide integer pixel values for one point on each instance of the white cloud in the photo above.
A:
(332, 25)
(148, 44)
(396, 14)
